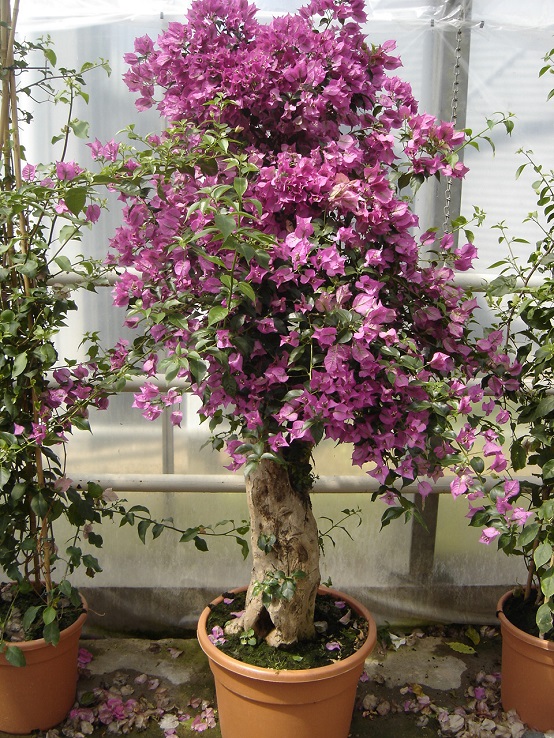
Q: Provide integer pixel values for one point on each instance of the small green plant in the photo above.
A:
(277, 586)
(248, 638)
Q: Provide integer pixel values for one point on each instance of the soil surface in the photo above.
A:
(523, 613)
(13, 609)
(340, 632)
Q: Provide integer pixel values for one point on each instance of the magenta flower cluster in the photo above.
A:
(279, 271)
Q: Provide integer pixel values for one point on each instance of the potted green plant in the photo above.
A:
(44, 210)
(518, 514)
(268, 257)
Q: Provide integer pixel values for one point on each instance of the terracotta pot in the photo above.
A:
(253, 701)
(39, 695)
(527, 673)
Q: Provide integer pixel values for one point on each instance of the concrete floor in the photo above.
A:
(416, 685)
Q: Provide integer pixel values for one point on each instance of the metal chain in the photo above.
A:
(453, 120)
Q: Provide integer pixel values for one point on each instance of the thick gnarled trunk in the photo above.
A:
(277, 508)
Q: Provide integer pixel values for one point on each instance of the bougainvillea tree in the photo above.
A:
(271, 257)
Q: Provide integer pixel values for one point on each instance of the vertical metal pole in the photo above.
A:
(451, 51)
(452, 64)
(449, 103)
(422, 548)
(168, 443)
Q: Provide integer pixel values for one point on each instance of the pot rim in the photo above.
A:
(291, 676)
(39, 643)
(517, 632)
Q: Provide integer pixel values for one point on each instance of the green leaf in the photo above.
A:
(544, 353)
(518, 455)
(95, 540)
(88, 699)
(287, 589)
(51, 633)
(473, 635)
(225, 223)
(542, 554)
(546, 511)
(5, 476)
(502, 285)
(142, 529)
(95, 490)
(49, 615)
(545, 407)
(527, 535)
(548, 469)
(544, 618)
(198, 369)
(50, 55)
(246, 250)
(64, 263)
(74, 553)
(461, 647)
(15, 656)
(39, 505)
(19, 365)
(245, 549)
(263, 259)
(240, 184)
(29, 617)
(392, 513)
(67, 233)
(189, 535)
(91, 563)
(266, 543)
(75, 199)
(217, 314)
(80, 128)
(29, 544)
(172, 370)
(139, 508)
(157, 530)
(547, 583)
(81, 423)
(46, 354)
(246, 289)
(477, 464)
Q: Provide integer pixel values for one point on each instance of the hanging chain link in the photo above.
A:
(453, 120)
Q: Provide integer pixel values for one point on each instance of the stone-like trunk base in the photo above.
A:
(277, 509)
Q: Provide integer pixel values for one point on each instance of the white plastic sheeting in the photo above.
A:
(59, 14)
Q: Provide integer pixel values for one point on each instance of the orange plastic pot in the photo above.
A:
(39, 695)
(527, 673)
(253, 701)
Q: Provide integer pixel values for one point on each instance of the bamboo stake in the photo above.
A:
(5, 17)
(11, 146)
